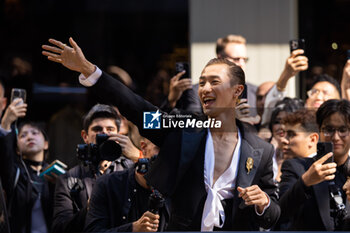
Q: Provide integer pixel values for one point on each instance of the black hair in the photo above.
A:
(234, 71)
(330, 107)
(101, 111)
(286, 105)
(327, 78)
(36, 125)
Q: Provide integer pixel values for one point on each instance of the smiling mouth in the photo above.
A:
(208, 100)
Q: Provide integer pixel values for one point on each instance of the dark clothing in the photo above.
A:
(117, 201)
(73, 190)
(178, 174)
(22, 194)
(306, 208)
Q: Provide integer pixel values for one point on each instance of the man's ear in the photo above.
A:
(238, 90)
(314, 137)
(143, 146)
(84, 135)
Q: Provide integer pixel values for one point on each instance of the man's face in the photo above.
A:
(341, 143)
(31, 141)
(321, 92)
(99, 126)
(297, 143)
(215, 91)
(237, 53)
(261, 93)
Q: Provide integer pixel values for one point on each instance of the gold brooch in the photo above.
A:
(249, 164)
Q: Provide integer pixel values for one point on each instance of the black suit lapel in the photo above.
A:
(193, 142)
(322, 197)
(245, 179)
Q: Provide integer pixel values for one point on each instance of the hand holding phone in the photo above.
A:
(324, 148)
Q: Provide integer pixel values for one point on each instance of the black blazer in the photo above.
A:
(180, 148)
(306, 208)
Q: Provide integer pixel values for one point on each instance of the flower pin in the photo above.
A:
(249, 164)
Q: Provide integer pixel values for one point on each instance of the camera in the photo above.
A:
(104, 149)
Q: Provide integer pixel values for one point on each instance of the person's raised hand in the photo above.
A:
(148, 222)
(319, 172)
(70, 57)
(177, 87)
(15, 110)
(296, 62)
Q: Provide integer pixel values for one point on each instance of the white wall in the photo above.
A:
(267, 25)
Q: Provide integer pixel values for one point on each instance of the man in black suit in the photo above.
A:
(217, 178)
(311, 189)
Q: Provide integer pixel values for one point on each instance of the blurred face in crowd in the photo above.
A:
(237, 53)
(2, 99)
(321, 92)
(215, 90)
(99, 126)
(261, 93)
(278, 129)
(297, 142)
(31, 142)
(336, 129)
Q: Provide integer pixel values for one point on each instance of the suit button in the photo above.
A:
(135, 190)
(129, 200)
(124, 217)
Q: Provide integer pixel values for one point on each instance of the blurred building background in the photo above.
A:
(146, 38)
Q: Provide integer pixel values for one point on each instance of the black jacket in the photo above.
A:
(306, 208)
(72, 193)
(111, 202)
(179, 150)
(21, 197)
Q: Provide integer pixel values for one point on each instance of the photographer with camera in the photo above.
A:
(313, 197)
(102, 154)
(122, 201)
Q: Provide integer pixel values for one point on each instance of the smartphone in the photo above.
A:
(180, 66)
(348, 54)
(296, 44)
(18, 93)
(324, 148)
(56, 167)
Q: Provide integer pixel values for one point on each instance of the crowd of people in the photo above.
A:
(261, 169)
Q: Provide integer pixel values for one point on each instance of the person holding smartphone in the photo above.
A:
(22, 158)
(314, 199)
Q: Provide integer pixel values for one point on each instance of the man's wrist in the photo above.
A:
(88, 69)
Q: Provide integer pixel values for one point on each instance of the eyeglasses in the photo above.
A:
(316, 92)
(237, 59)
(330, 131)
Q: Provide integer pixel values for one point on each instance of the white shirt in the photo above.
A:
(222, 189)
